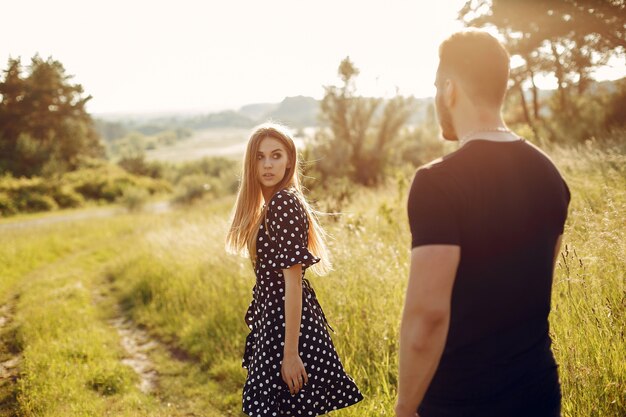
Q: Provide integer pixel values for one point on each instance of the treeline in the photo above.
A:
(363, 140)
(566, 39)
(54, 155)
(44, 127)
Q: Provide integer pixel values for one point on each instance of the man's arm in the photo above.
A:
(557, 250)
(425, 321)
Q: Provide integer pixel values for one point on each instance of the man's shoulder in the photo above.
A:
(429, 176)
(445, 162)
(539, 152)
(434, 168)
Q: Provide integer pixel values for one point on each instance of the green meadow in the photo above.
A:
(63, 284)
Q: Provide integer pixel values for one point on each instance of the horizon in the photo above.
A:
(193, 112)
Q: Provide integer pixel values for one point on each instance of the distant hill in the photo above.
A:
(228, 118)
(258, 110)
(298, 111)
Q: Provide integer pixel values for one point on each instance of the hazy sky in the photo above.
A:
(205, 55)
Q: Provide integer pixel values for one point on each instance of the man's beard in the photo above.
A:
(445, 120)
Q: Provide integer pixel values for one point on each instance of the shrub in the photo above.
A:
(66, 197)
(139, 166)
(98, 182)
(133, 198)
(7, 208)
(109, 182)
(193, 188)
(36, 202)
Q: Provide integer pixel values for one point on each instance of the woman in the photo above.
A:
(293, 368)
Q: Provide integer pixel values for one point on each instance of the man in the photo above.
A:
(486, 224)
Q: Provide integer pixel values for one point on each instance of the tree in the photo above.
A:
(361, 130)
(44, 127)
(565, 38)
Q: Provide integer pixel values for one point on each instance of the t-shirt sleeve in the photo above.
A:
(288, 225)
(432, 215)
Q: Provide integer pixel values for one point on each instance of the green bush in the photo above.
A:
(36, 202)
(224, 173)
(99, 182)
(66, 197)
(114, 188)
(7, 208)
(195, 187)
(133, 198)
(139, 166)
(24, 185)
(109, 182)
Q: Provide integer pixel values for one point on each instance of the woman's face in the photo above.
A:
(272, 162)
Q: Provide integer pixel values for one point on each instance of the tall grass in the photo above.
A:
(171, 274)
(22, 251)
(69, 356)
(589, 299)
(179, 282)
(69, 361)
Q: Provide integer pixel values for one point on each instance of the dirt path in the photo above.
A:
(137, 345)
(163, 369)
(95, 213)
(9, 361)
(165, 375)
(136, 342)
(8, 364)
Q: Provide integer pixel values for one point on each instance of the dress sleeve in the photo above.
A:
(288, 226)
(432, 216)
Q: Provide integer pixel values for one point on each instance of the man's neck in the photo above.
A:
(477, 120)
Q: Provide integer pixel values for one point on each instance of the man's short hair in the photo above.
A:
(481, 63)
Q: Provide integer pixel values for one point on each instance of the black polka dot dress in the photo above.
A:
(282, 241)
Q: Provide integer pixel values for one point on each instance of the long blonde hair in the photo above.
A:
(248, 211)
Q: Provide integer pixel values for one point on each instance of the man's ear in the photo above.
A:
(450, 91)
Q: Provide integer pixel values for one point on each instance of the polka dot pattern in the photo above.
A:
(283, 244)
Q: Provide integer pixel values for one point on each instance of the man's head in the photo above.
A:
(474, 71)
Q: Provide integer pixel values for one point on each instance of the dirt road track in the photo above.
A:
(95, 213)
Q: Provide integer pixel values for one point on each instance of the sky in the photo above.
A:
(140, 56)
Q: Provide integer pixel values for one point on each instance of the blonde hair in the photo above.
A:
(248, 211)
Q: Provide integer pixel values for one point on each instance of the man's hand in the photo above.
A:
(402, 411)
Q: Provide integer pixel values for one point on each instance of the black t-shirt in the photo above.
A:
(504, 204)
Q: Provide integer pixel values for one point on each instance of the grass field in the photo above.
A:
(169, 273)
(227, 142)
